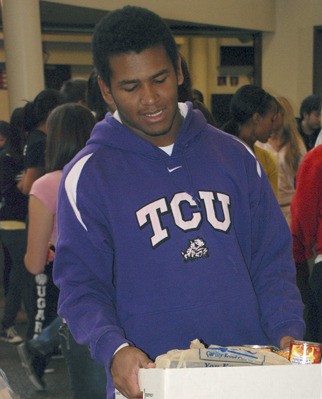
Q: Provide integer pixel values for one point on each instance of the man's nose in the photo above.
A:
(149, 94)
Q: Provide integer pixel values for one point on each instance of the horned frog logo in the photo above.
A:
(197, 249)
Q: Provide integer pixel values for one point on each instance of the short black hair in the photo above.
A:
(247, 101)
(37, 111)
(310, 104)
(197, 94)
(130, 29)
(74, 90)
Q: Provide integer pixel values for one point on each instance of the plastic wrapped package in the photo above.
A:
(218, 356)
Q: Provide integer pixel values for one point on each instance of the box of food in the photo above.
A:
(246, 382)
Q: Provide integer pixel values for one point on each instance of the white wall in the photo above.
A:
(249, 14)
(288, 53)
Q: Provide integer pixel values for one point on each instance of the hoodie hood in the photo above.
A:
(110, 132)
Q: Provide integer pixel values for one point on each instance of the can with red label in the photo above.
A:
(302, 352)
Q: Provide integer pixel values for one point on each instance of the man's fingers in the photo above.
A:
(149, 365)
(125, 368)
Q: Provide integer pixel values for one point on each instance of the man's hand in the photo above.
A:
(285, 342)
(125, 368)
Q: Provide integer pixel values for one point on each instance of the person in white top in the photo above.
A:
(318, 140)
(287, 146)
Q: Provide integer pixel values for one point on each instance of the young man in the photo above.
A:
(309, 123)
(168, 228)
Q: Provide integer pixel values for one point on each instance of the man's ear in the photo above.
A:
(180, 77)
(106, 92)
(256, 118)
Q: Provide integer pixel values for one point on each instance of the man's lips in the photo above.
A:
(154, 114)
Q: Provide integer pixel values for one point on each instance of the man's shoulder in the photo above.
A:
(225, 138)
(86, 164)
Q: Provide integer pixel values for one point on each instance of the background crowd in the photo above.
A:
(45, 134)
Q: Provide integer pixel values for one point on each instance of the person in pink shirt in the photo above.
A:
(69, 127)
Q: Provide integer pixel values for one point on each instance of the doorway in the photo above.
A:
(317, 60)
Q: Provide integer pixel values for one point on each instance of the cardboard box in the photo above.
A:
(247, 382)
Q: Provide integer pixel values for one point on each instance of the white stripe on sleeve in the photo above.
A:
(71, 186)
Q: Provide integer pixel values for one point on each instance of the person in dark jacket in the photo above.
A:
(13, 236)
(309, 122)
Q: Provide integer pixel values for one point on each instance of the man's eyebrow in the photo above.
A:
(133, 81)
(162, 72)
(127, 82)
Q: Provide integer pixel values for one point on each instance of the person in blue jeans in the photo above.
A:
(87, 378)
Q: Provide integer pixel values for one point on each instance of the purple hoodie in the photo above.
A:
(157, 250)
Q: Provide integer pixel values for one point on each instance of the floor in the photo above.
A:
(57, 379)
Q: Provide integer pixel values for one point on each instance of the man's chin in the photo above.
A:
(157, 133)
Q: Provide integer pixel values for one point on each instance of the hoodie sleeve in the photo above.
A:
(83, 269)
(272, 268)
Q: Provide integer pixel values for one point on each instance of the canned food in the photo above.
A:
(269, 348)
(302, 352)
(283, 352)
